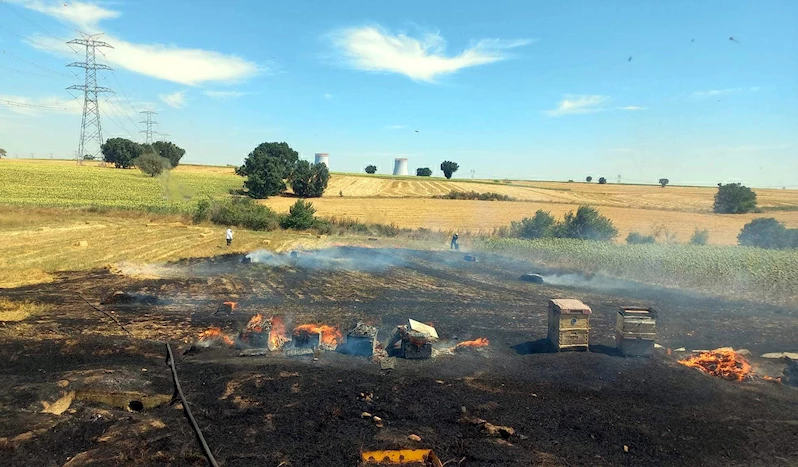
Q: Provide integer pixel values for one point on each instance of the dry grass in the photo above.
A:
(18, 311)
(484, 216)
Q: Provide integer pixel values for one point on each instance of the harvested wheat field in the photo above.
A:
(484, 216)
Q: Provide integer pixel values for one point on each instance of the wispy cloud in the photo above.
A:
(716, 92)
(372, 48)
(223, 95)
(579, 104)
(633, 107)
(395, 127)
(167, 62)
(328, 96)
(176, 99)
(40, 105)
(756, 147)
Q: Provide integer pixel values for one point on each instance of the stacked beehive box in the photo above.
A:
(569, 324)
(636, 330)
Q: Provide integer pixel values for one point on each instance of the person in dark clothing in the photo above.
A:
(455, 245)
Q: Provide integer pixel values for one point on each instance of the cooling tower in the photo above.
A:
(400, 166)
(323, 158)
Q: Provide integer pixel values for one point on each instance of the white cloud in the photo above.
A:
(372, 48)
(40, 105)
(579, 104)
(167, 62)
(176, 99)
(715, 92)
(633, 107)
(222, 95)
(85, 15)
(395, 127)
(328, 96)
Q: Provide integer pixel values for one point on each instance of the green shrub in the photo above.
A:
(473, 195)
(203, 211)
(636, 238)
(243, 212)
(699, 237)
(734, 198)
(300, 216)
(586, 224)
(424, 172)
(540, 226)
(767, 232)
(151, 164)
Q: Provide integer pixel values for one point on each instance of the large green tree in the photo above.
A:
(734, 198)
(424, 172)
(586, 224)
(266, 169)
(170, 151)
(151, 163)
(448, 168)
(309, 180)
(121, 152)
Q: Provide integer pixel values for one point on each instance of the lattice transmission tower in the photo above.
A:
(90, 127)
(148, 124)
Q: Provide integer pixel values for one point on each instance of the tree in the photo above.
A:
(449, 168)
(170, 151)
(88, 157)
(151, 163)
(588, 179)
(699, 237)
(764, 232)
(586, 224)
(636, 238)
(309, 180)
(663, 182)
(602, 180)
(3, 153)
(424, 172)
(541, 225)
(121, 152)
(734, 198)
(300, 216)
(370, 169)
(266, 168)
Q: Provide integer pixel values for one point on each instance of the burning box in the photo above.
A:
(569, 324)
(362, 340)
(635, 331)
(306, 340)
(319, 336)
(414, 339)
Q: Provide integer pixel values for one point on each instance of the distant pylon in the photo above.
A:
(148, 122)
(90, 127)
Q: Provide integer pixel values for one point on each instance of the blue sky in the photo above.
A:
(509, 89)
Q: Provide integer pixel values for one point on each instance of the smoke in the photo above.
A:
(342, 258)
(591, 282)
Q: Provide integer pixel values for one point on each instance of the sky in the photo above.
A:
(699, 92)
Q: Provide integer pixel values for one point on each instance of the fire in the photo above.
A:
(770, 378)
(277, 336)
(724, 363)
(214, 334)
(328, 335)
(232, 305)
(255, 324)
(474, 344)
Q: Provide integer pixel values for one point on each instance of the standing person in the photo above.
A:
(455, 245)
(229, 236)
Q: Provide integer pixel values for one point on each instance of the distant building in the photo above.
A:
(323, 158)
(400, 166)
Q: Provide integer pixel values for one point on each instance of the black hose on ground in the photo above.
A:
(106, 314)
(171, 362)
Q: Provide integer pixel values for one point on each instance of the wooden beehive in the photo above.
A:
(636, 330)
(569, 324)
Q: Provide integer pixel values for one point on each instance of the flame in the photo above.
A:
(770, 378)
(474, 344)
(277, 336)
(214, 334)
(255, 324)
(328, 335)
(724, 363)
(232, 305)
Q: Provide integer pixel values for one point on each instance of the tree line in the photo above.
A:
(151, 159)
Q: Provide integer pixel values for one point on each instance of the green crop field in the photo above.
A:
(731, 271)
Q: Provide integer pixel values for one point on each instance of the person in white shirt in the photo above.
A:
(229, 236)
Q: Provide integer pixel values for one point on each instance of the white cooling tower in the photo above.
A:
(323, 158)
(400, 166)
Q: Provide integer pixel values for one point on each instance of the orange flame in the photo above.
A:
(214, 334)
(328, 335)
(277, 336)
(474, 344)
(723, 363)
(770, 378)
(255, 323)
(232, 305)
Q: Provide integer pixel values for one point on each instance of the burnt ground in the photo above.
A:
(569, 408)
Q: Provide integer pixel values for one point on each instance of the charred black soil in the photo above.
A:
(569, 408)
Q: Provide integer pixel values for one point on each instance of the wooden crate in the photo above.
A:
(636, 331)
(569, 324)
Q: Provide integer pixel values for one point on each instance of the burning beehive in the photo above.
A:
(212, 336)
(635, 331)
(362, 340)
(256, 332)
(320, 336)
(414, 340)
(724, 363)
(569, 323)
(226, 308)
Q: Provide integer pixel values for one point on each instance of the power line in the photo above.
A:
(90, 127)
(18, 58)
(124, 94)
(148, 123)
(23, 72)
(32, 106)
(25, 18)
(118, 123)
(34, 41)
